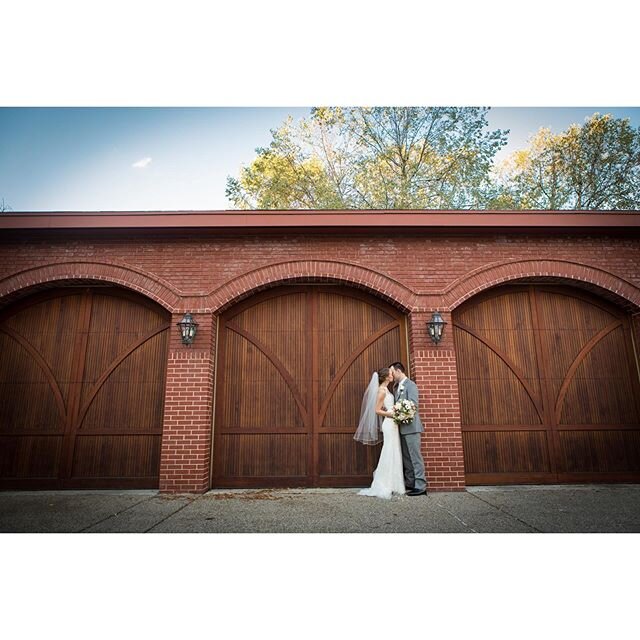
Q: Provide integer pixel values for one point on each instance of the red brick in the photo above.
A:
(205, 274)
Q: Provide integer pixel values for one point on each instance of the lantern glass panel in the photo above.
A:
(187, 328)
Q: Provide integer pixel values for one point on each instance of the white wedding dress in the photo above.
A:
(388, 478)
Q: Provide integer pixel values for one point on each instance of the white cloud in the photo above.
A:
(142, 164)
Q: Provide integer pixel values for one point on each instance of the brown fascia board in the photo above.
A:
(325, 220)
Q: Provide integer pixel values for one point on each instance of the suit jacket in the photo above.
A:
(407, 389)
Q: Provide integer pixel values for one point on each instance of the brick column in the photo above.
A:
(186, 436)
(433, 368)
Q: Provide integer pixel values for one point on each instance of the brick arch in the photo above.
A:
(603, 283)
(29, 281)
(303, 271)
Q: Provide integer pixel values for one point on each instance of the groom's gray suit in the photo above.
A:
(412, 461)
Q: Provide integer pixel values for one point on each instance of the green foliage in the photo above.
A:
(437, 158)
(289, 174)
(375, 158)
(593, 166)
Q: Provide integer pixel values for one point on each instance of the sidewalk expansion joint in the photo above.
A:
(114, 515)
(173, 513)
(453, 515)
(507, 513)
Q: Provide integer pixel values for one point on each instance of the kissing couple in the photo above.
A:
(400, 467)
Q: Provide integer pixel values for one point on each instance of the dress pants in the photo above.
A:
(412, 461)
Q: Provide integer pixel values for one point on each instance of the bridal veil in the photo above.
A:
(368, 431)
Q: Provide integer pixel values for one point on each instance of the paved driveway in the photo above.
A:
(570, 509)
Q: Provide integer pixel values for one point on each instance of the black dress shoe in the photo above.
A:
(417, 492)
(409, 489)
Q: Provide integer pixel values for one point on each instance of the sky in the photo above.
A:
(141, 159)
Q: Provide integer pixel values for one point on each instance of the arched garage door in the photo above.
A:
(82, 379)
(293, 365)
(548, 388)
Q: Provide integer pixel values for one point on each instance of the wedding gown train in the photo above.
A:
(388, 477)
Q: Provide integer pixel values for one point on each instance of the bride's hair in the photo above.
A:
(382, 374)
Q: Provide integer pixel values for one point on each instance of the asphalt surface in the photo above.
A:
(522, 509)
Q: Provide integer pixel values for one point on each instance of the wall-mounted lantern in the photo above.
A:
(188, 327)
(435, 327)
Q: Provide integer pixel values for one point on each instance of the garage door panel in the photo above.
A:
(567, 325)
(51, 327)
(571, 312)
(32, 398)
(586, 384)
(592, 398)
(512, 307)
(344, 323)
(278, 323)
(60, 376)
(131, 398)
(30, 456)
(257, 455)
(607, 451)
(341, 455)
(104, 456)
(260, 392)
(342, 410)
(497, 402)
(321, 361)
(116, 328)
(119, 406)
(33, 407)
(506, 452)
(513, 335)
(493, 393)
(563, 350)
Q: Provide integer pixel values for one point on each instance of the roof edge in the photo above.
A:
(342, 219)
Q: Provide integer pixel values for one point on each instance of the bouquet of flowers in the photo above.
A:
(404, 411)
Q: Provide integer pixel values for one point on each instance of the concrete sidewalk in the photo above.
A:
(521, 509)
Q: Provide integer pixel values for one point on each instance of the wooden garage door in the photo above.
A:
(293, 365)
(82, 378)
(548, 388)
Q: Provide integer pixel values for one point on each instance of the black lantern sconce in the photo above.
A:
(188, 327)
(435, 327)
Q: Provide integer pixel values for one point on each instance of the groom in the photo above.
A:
(414, 478)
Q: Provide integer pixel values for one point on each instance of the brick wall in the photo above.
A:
(204, 274)
(200, 270)
(186, 436)
(434, 371)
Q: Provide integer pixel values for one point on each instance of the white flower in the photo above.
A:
(404, 411)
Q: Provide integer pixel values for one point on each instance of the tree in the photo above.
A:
(593, 166)
(4, 206)
(286, 175)
(375, 158)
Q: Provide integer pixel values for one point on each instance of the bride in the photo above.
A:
(377, 403)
